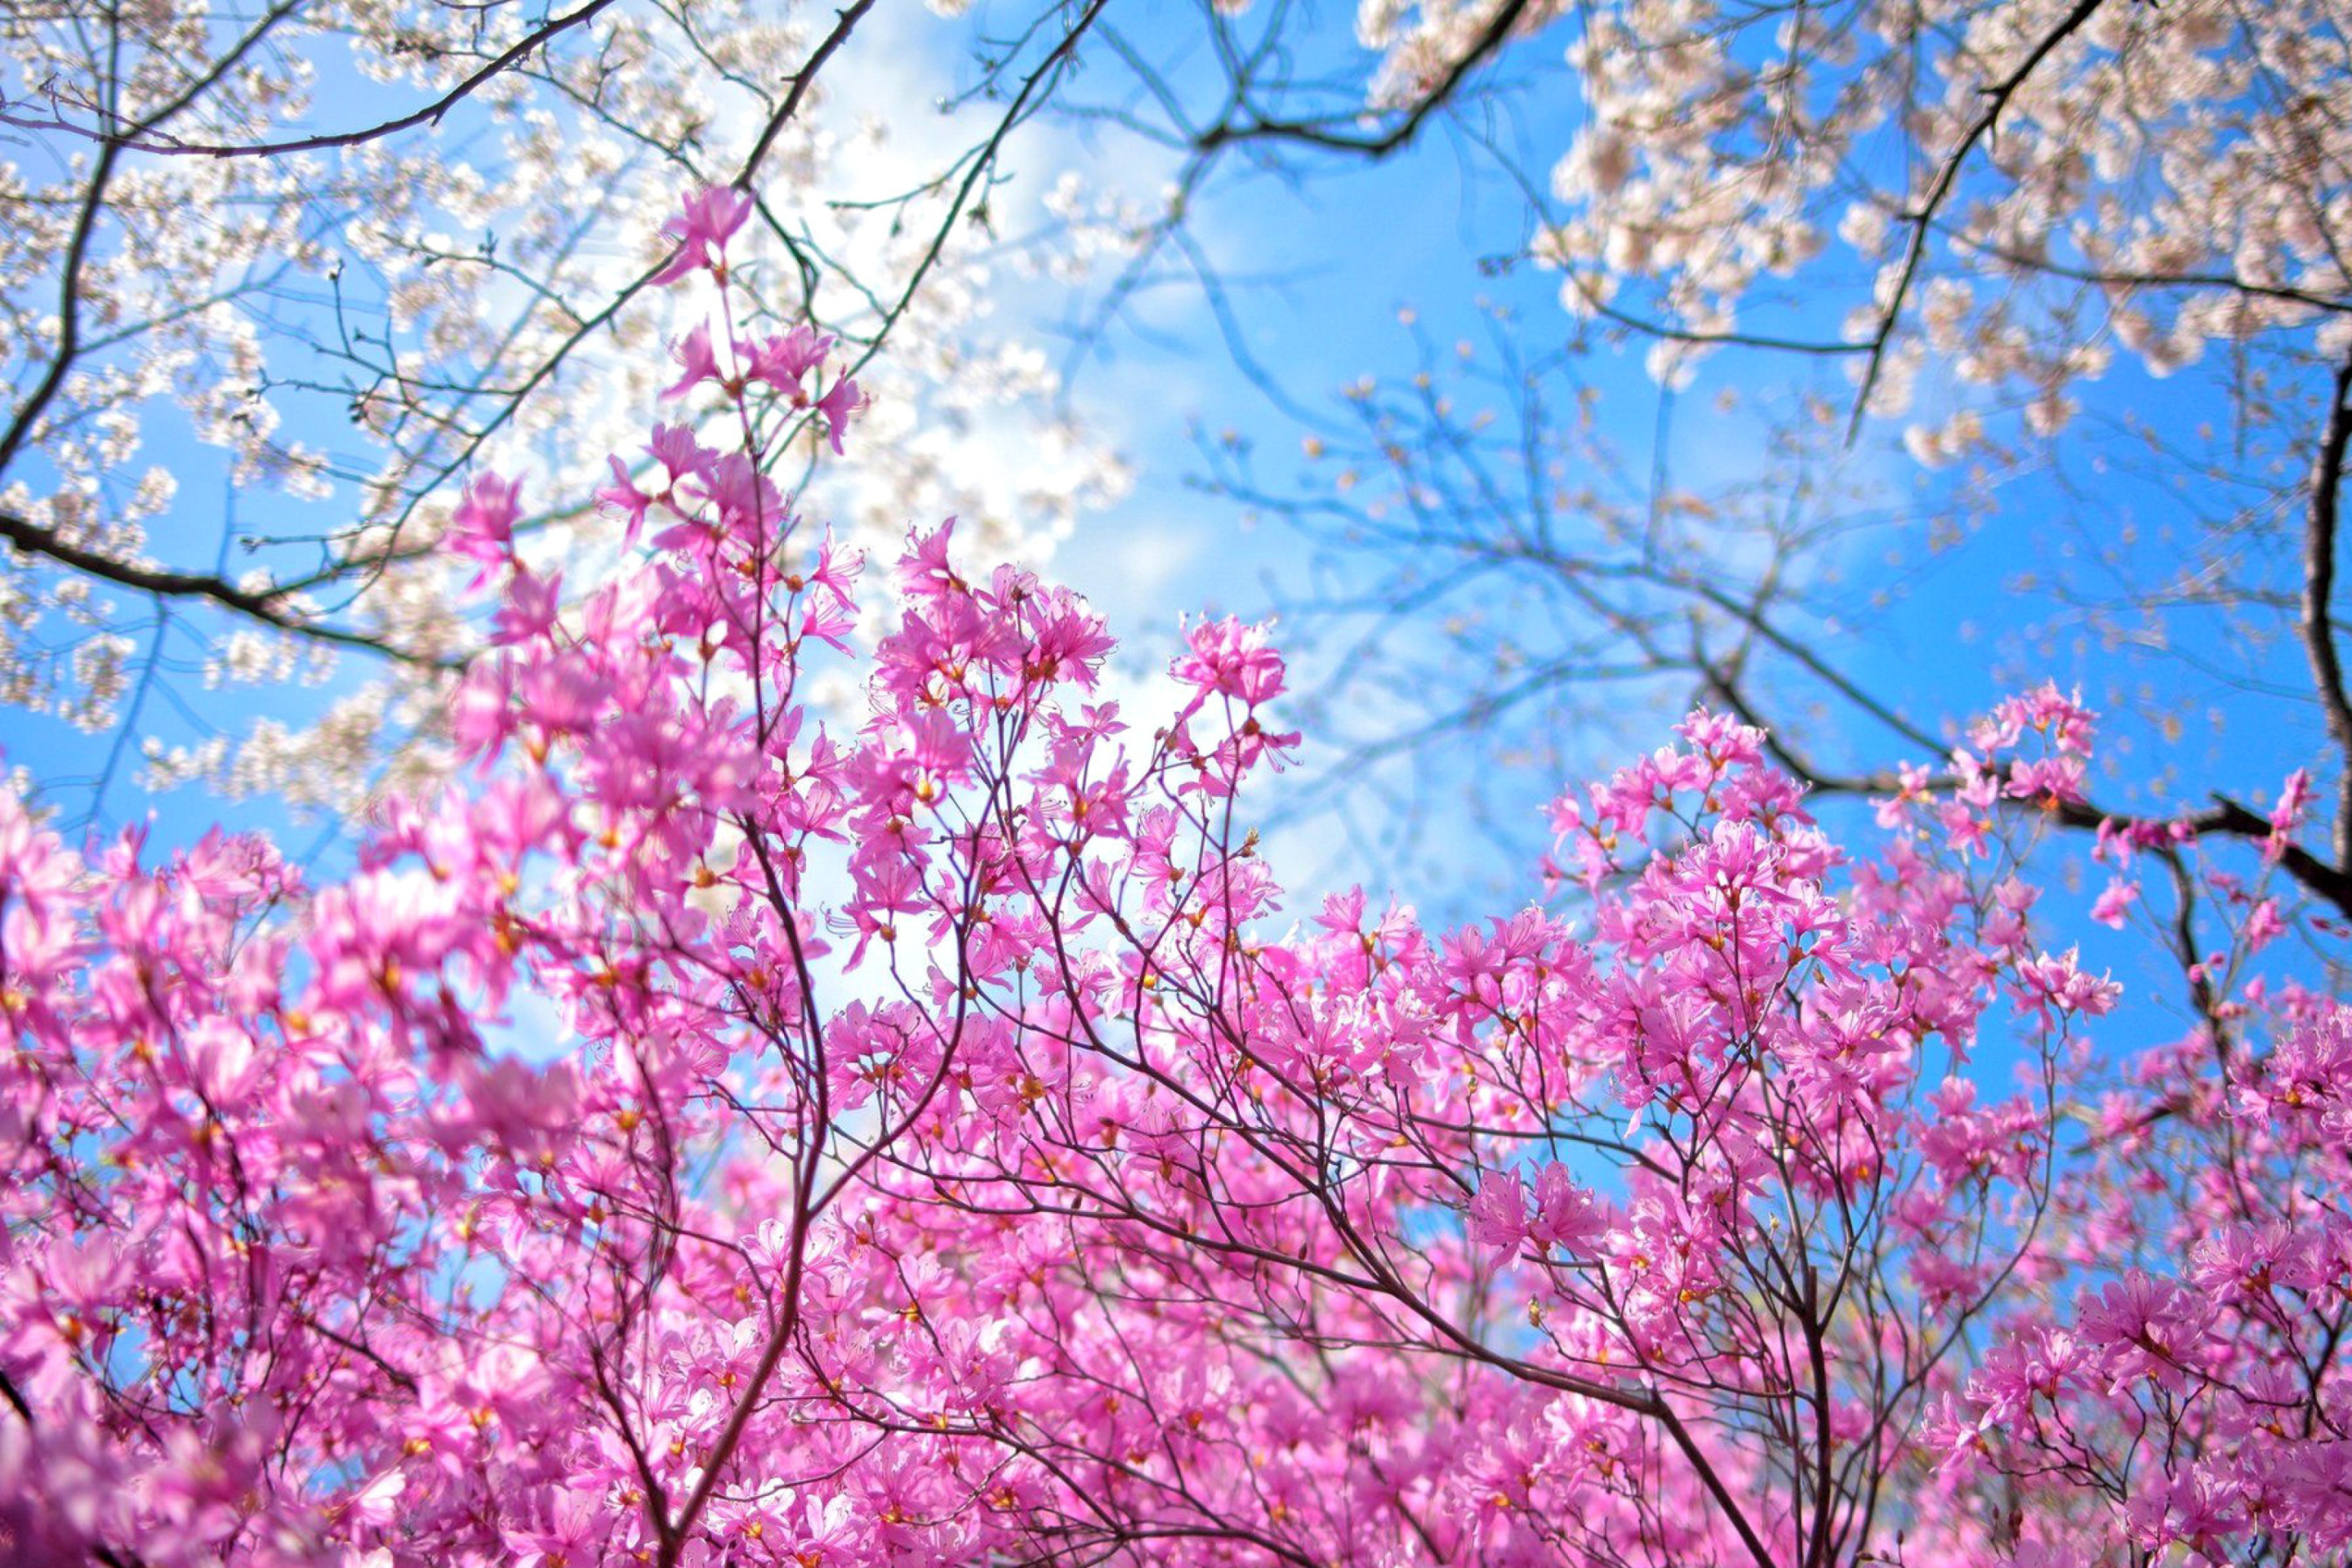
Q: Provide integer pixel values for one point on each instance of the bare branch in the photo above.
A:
(1922, 219)
(1314, 134)
(2319, 593)
(266, 605)
(141, 138)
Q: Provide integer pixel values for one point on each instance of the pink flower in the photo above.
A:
(1498, 1212)
(710, 220)
(783, 361)
(680, 454)
(529, 607)
(576, 1530)
(696, 361)
(1566, 1215)
(2149, 1328)
(2295, 798)
(482, 528)
(623, 497)
(2115, 903)
(837, 405)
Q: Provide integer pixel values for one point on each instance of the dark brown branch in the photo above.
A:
(2227, 818)
(1490, 39)
(9, 1392)
(844, 22)
(140, 138)
(2236, 820)
(2319, 593)
(28, 413)
(266, 605)
(1922, 219)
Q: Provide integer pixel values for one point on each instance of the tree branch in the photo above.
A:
(1490, 39)
(266, 605)
(2228, 818)
(138, 138)
(2319, 594)
(1997, 96)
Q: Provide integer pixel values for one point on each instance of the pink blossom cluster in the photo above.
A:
(2186, 1397)
(710, 1137)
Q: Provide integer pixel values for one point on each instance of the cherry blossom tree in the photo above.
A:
(2054, 291)
(274, 278)
(704, 1132)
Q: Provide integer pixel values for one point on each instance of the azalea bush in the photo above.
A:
(711, 1133)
